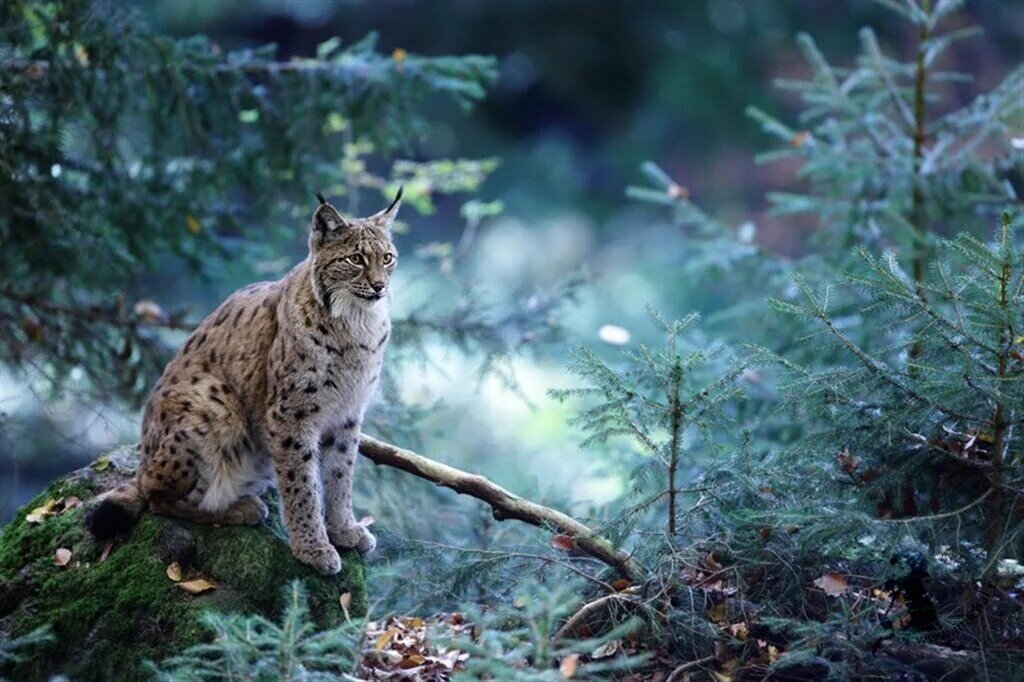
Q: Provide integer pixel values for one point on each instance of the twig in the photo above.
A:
(678, 673)
(509, 554)
(589, 609)
(504, 504)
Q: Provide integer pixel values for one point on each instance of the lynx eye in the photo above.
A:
(356, 260)
(388, 259)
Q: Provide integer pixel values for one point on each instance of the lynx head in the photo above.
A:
(352, 258)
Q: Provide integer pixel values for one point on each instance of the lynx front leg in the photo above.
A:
(338, 454)
(298, 481)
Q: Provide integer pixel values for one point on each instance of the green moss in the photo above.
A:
(108, 617)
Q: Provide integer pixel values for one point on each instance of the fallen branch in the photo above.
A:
(504, 505)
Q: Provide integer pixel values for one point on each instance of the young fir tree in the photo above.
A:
(250, 647)
(664, 402)
(891, 433)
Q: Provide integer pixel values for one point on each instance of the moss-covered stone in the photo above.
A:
(109, 616)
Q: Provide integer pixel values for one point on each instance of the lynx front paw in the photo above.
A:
(353, 536)
(323, 558)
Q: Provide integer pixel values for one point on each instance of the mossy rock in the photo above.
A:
(109, 616)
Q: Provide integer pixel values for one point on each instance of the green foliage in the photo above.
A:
(517, 641)
(255, 648)
(932, 407)
(658, 399)
(889, 163)
(18, 649)
(884, 412)
(121, 147)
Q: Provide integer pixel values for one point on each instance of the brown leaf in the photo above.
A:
(568, 665)
(411, 661)
(33, 329)
(197, 586)
(833, 584)
(847, 462)
(718, 614)
(739, 631)
(174, 571)
(41, 512)
(711, 563)
(607, 649)
(62, 557)
(620, 584)
(563, 542)
(150, 311)
(678, 192)
(383, 640)
(346, 602)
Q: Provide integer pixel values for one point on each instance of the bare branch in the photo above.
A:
(504, 505)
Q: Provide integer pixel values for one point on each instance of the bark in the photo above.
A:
(504, 504)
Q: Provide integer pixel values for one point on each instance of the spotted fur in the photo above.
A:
(271, 388)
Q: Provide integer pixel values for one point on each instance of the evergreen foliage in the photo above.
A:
(121, 148)
(519, 641)
(254, 648)
(659, 400)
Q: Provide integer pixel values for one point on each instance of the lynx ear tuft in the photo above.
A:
(386, 217)
(320, 197)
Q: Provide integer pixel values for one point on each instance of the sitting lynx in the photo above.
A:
(273, 383)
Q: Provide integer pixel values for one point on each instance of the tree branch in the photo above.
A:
(504, 505)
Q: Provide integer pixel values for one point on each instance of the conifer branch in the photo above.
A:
(504, 504)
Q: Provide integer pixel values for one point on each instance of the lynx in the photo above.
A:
(272, 386)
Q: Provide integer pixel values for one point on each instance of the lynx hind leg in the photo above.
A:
(247, 510)
(195, 453)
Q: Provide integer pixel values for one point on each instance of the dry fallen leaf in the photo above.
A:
(70, 502)
(411, 661)
(197, 586)
(62, 557)
(569, 665)
(833, 584)
(607, 649)
(365, 522)
(563, 542)
(383, 640)
(620, 584)
(150, 311)
(41, 512)
(346, 602)
(739, 631)
(718, 614)
(174, 571)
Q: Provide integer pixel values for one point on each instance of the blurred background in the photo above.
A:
(586, 92)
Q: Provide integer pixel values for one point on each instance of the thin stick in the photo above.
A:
(588, 610)
(678, 673)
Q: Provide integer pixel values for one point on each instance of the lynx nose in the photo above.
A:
(378, 286)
